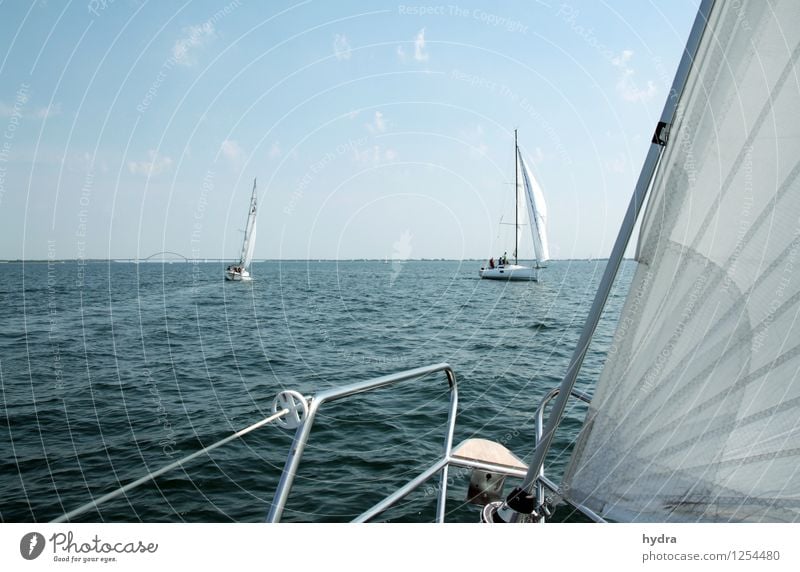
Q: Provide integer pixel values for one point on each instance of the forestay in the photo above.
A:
(696, 416)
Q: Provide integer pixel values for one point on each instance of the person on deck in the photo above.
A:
(491, 262)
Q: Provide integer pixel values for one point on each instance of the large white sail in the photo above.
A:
(249, 243)
(251, 246)
(537, 211)
(521, 211)
(696, 416)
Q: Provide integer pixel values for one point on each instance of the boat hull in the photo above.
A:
(511, 272)
(237, 276)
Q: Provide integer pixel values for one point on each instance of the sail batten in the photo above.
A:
(696, 415)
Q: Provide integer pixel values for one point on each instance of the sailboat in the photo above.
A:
(240, 271)
(530, 206)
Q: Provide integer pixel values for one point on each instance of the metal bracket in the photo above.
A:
(297, 406)
(661, 136)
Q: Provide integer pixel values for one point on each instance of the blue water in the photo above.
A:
(111, 370)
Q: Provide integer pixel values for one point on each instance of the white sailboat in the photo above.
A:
(241, 271)
(530, 211)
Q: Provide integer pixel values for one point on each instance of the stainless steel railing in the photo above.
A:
(293, 410)
(543, 482)
(447, 460)
(304, 429)
(179, 463)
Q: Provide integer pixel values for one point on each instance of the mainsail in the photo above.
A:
(696, 416)
(536, 209)
(249, 243)
(522, 220)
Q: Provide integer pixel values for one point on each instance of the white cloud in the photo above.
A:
(374, 155)
(419, 46)
(626, 85)
(479, 150)
(194, 37)
(233, 152)
(378, 124)
(79, 162)
(275, 151)
(341, 47)
(20, 110)
(420, 54)
(617, 165)
(474, 137)
(49, 111)
(157, 164)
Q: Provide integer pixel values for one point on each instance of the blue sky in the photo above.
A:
(375, 129)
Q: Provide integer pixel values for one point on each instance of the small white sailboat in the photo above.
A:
(240, 271)
(530, 205)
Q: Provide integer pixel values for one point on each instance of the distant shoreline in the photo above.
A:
(228, 260)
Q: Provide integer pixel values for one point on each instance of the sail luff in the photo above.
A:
(248, 244)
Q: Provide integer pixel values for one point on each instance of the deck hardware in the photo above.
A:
(297, 406)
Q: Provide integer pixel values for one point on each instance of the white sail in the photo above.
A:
(249, 243)
(537, 211)
(521, 210)
(696, 416)
(251, 246)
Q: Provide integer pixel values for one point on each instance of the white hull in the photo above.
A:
(510, 272)
(237, 276)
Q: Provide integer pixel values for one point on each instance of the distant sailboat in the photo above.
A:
(530, 204)
(240, 271)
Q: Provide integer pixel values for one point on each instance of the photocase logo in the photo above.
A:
(31, 545)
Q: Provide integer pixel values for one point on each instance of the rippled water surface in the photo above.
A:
(111, 370)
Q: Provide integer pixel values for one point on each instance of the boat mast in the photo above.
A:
(516, 198)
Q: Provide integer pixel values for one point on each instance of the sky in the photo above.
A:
(374, 129)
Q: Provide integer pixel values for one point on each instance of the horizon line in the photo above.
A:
(205, 260)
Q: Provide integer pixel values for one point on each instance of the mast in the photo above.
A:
(516, 199)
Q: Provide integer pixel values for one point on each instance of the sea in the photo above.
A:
(110, 370)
